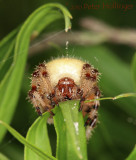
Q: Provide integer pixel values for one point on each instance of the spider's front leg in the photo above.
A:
(38, 110)
(40, 102)
(41, 88)
(90, 91)
(81, 103)
(53, 99)
(93, 107)
(92, 114)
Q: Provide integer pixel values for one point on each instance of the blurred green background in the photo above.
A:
(115, 135)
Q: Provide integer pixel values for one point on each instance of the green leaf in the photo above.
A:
(133, 69)
(132, 155)
(14, 151)
(22, 140)
(10, 85)
(3, 157)
(38, 136)
(6, 52)
(4, 44)
(69, 125)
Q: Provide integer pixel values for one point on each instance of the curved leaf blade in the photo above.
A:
(22, 140)
(12, 81)
(5, 42)
(132, 155)
(3, 157)
(69, 125)
(38, 136)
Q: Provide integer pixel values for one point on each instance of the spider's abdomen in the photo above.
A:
(65, 67)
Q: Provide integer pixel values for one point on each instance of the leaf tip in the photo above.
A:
(71, 17)
(66, 29)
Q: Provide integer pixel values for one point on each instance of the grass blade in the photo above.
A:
(132, 155)
(38, 136)
(22, 140)
(69, 125)
(12, 81)
(5, 42)
(3, 157)
(114, 98)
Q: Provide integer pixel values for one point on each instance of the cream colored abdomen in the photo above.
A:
(65, 67)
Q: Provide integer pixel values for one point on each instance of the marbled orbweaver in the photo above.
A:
(65, 79)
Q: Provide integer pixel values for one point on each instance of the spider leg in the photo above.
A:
(41, 88)
(89, 77)
(31, 96)
(92, 113)
(92, 118)
(39, 103)
(51, 113)
(38, 111)
(91, 122)
(53, 99)
(81, 103)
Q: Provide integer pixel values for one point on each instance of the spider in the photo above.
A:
(65, 79)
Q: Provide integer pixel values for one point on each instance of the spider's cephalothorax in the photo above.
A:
(65, 79)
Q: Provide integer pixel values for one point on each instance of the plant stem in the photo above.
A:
(113, 98)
